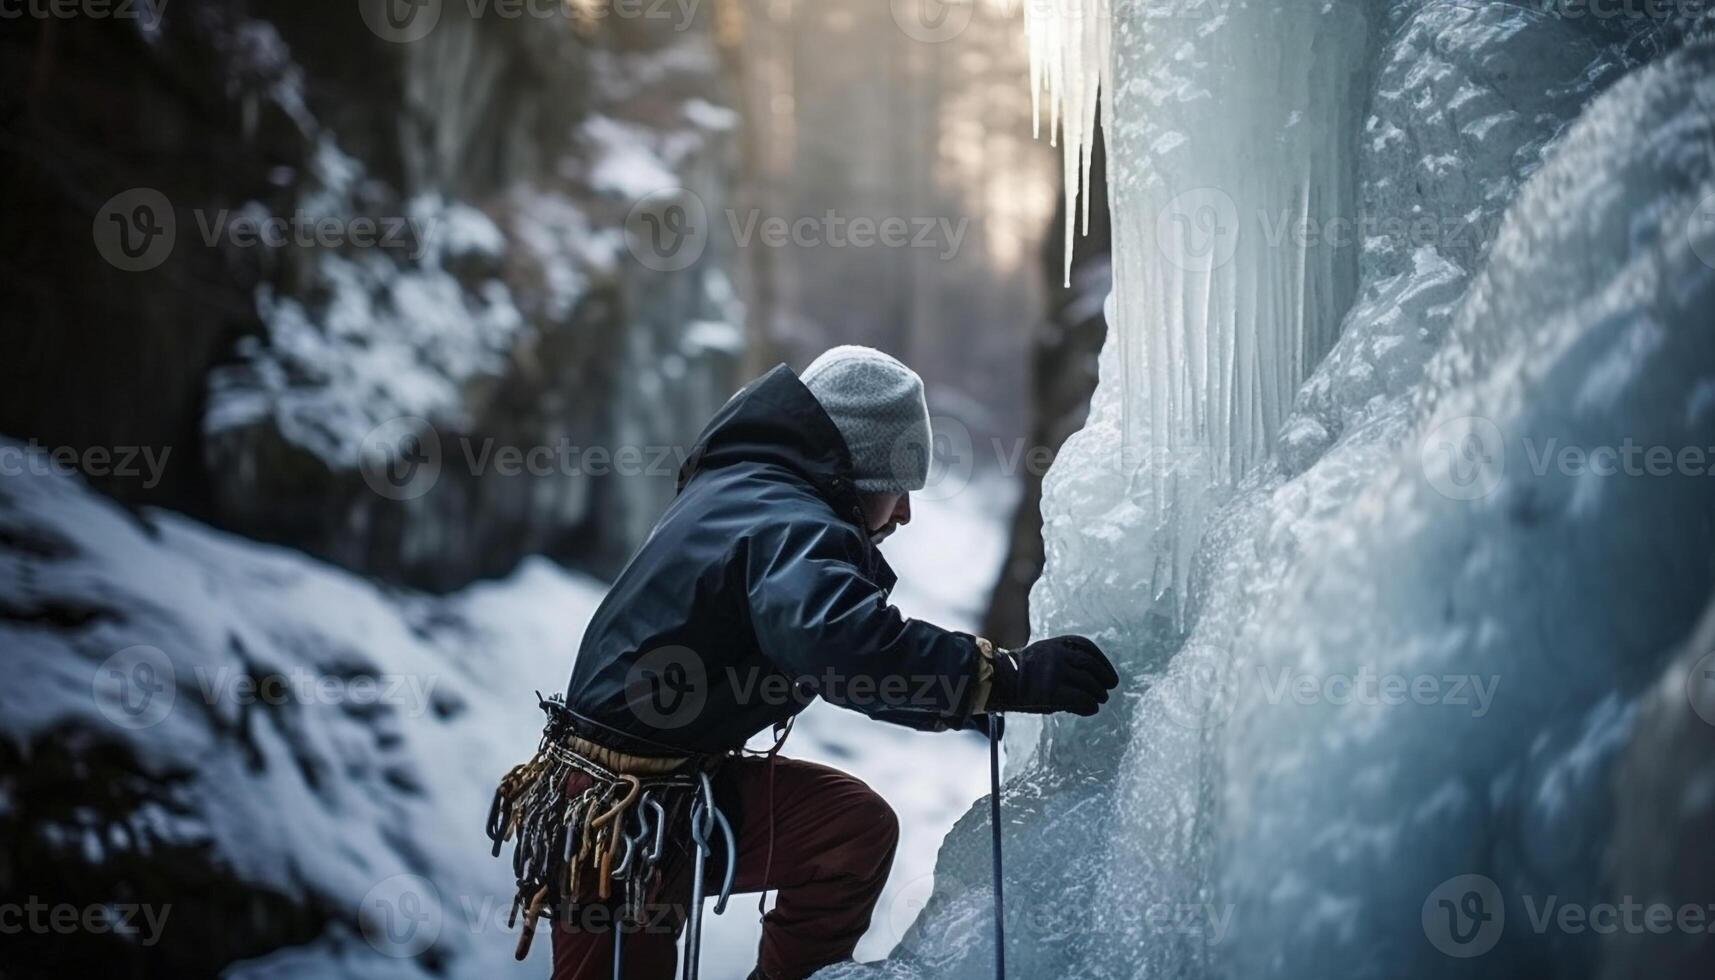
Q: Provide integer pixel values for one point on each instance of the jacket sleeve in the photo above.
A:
(821, 619)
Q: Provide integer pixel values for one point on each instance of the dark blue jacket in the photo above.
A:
(758, 590)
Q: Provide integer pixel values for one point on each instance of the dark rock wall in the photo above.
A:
(508, 314)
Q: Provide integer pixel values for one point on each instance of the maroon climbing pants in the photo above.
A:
(833, 840)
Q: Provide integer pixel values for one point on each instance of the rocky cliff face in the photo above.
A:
(392, 250)
(268, 767)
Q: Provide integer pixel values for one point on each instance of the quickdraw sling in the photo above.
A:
(615, 829)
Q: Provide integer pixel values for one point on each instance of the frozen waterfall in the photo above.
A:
(1379, 264)
(1071, 64)
(1233, 143)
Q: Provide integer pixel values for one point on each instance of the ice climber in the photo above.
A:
(761, 587)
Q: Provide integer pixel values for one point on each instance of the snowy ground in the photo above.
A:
(358, 798)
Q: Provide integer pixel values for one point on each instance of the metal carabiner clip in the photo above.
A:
(720, 820)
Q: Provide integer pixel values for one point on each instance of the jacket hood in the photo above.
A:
(776, 420)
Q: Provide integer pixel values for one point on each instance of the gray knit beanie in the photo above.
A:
(877, 404)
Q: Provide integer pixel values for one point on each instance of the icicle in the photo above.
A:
(1229, 159)
(1070, 63)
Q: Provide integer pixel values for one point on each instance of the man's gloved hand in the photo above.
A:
(1066, 673)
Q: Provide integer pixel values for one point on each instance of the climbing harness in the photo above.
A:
(615, 828)
(997, 727)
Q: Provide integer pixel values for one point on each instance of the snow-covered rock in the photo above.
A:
(289, 767)
(270, 750)
(508, 315)
(366, 242)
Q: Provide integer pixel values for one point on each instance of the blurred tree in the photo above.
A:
(850, 114)
(1063, 377)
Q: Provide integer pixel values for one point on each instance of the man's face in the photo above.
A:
(884, 512)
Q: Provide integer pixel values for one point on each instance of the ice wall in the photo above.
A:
(1234, 128)
(1527, 195)
(1565, 589)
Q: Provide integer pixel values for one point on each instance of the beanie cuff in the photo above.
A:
(887, 485)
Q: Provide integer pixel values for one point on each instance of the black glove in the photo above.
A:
(1066, 673)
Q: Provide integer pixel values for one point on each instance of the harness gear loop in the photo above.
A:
(705, 817)
(561, 835)
(660, 829)
(694, 929)
(611, 824)
(530, 917)
(731, 843)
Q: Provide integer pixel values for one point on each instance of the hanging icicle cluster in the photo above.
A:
(1232, 182)
(1070, 64)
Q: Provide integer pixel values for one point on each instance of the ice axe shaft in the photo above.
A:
(997, 727)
